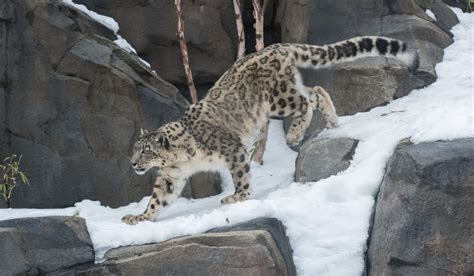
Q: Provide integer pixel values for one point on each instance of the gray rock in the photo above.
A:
(462, 4)
(42, 245)
(251, 249)
(321, 158)
(274, 227)
(361, 85)
(14, 261)
(202, 184)
(445, 17)
(73, 103)
(424, 219)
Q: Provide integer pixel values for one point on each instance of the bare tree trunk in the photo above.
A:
(258, 12)
(184, 53)
(240, 28)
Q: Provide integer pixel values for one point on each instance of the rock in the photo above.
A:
(321, 158)
(210, 32)
(202, 184)
(360, 85)
(42, 245)
(74, 102)
(445, 17)
(462, 4)
(275, 228)
(254, 248)
(14, 261)
(424, 211)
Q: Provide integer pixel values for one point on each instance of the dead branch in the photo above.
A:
(258, 13)
(184, 53)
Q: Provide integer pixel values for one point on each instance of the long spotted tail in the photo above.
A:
(308, 56)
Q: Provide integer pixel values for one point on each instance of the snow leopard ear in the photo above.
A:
(164, 142)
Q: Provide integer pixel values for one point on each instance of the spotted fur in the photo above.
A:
(213, 133)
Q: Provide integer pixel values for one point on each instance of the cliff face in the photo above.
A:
(71, 103)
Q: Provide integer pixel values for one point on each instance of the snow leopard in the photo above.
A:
(215, 132)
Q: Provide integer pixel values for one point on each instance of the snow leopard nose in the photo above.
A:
(134, 164)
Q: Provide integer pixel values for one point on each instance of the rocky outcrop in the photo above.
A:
(72, 102)
(424, 212)
(321, 158)
(257, 247)
(361, 85)
(36, 246)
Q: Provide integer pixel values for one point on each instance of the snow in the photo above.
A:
(431, 14)
(109, 23)
(327, 221)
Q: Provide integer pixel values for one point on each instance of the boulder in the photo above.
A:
(258, 247)
(42, 245)
(360, 85)
(203, 184)
(424, 211)
(14, 261)
(321, 158)
(73, 104)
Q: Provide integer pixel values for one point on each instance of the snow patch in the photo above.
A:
(431, 14)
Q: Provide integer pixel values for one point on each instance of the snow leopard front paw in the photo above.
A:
(293, 137)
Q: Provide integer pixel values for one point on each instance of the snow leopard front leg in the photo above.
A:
(238, 162)
(167, 187)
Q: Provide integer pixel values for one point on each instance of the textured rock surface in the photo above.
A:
(367, 83)
(321, 158)
(42, 245)
(12, 255)
(72, 102)
(424, 217)
(258, 247)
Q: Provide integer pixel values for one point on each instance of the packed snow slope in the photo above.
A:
(327, 221)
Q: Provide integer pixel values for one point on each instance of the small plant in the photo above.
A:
(11, 176)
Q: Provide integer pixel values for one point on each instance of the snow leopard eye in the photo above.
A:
(146, 148)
